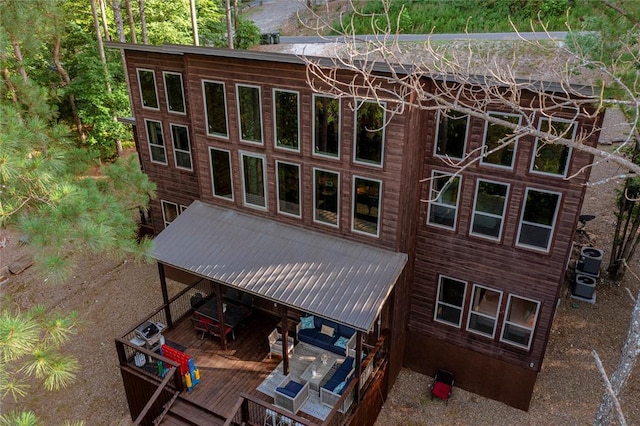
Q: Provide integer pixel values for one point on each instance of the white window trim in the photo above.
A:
(432, 202)
(551, 228)
(244, 154)
(531, 329)
(213, 184)
(515, 142)
(149, 144)
(164, 218)
(353, 206)
(275, 120)
(166, 92)
(176, 150)
(466, 137)
(206, 114)
(331, 225)
(504, 210)
(383, 105)
(253, 86)
(472, 312)
(569, 154)
(313, 125)
(155, 87)
(183, 208)
(278, 162)
(464, 301)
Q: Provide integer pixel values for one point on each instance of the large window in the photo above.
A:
(254, 181)
(181, 146)
(450, 301)
(215, 102)
(326, 126)
(148, 92)
(221, 173)
(499, 142)
(538, 219)
(288, 176)
(489, 209)
(156, 142)
(443, 200)
(452, 134)
(174, 91)
(485, 305)
(326, 195)
(550, 158)
(520, 321)
(286, 114)
(369, 133)
(249, 113)
(366, 205)
(169, 212)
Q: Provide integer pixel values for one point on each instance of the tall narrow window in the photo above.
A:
(181, 146)
(286, 112)
(485, 305)
(369, 133)
(520, 321)
(169, 212)
(288, 176)
(489, 209)
(500, 142)
(326, 126)
(148, 92)
(221, 173)
(452, 134)
(538, 219)
(326, 195)
(156, 142)
(254, 181)
(450, 300)
(215, 103)
(366, 205)
(174, 91)
(551, 158)
(249, 113)
(443, 201)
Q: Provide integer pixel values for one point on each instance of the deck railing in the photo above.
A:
(251, 410)
(160, 401)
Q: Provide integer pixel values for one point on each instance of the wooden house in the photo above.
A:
(468, 282)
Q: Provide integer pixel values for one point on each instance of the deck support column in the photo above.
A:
(165, 294)
(223, 335)
(284, 320)
(358, 365)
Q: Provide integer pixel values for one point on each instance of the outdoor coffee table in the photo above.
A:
(315, 373)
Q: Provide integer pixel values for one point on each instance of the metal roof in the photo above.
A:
(341, 280)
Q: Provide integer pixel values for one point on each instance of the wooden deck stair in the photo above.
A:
(183, 412)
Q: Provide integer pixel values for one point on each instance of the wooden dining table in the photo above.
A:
(234, 314)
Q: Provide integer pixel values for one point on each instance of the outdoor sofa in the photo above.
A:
(333, 389)
(326, 334)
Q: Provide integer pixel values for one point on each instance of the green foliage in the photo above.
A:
(247, 34)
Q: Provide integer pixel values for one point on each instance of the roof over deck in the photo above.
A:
(345, 281)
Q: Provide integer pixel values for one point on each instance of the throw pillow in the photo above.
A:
(307, 322)
(327, 330)
(338, 389)
(341, 342)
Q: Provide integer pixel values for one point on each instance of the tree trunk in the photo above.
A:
(117, 12)
(194, 22)
(227, 6)
(103, 57)
(18, 54)
(67, 81)
(143, 23)
(103, 11)
(132, 25)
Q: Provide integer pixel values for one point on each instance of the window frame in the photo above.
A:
(177, 150)
(354, 202)
(483, 161)
(150, 145)
(315, 152)
(315, 201)
(474, 211)
(438, 302)
(155, 89)
(437, 137)
(166, 92)
(551, 228)
(262, 158)
(355, 160)
(213, 182)
(276, 143)
(278, 207)
(238, 104)
(534, 155)
(506, 322)
(164, 203)
(472, 311)
(431, 202)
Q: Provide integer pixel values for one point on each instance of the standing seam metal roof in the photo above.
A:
(341, 280)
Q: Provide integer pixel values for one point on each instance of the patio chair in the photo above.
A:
(291, 394)
(200, 325)
(275, 343)
(442, 385)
